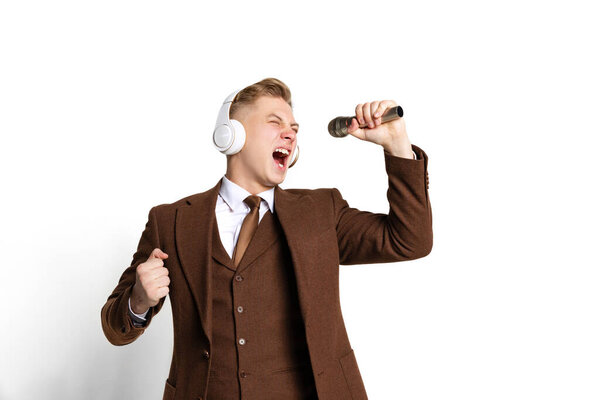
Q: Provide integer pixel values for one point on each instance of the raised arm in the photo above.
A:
(405, 233)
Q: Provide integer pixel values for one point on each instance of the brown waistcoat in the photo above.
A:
(259, 343)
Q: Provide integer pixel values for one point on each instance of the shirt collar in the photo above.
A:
(233, 195)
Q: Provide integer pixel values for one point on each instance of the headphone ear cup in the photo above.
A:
(239, 137)
(226, 135)
(295, 156)
(222, 138)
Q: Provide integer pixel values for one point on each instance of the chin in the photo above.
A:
(275, 179)
(273, 182)
(275, 176)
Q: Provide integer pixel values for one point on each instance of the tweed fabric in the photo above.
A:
(259, 308)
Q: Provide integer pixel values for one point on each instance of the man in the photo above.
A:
(252, 270)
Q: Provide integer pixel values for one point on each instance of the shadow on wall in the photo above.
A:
(134, 371)
(84, 365)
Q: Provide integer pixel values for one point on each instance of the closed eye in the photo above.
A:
(279, 123)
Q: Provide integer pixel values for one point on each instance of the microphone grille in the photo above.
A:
(338, 126)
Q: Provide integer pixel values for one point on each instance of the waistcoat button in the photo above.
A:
(243, 374)
(205, 354)
(240, 309)
(239, 278)
(242, 341)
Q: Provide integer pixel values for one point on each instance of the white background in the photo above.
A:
(107, 109)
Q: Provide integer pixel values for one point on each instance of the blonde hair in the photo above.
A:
(267, 87)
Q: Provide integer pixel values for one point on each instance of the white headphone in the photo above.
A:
(229, 135)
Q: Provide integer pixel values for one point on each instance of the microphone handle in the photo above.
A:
(389, 115)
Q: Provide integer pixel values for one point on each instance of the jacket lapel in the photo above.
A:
(194, 224)
(294, 211)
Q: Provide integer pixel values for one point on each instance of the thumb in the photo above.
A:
(158, 253)
(354, 130)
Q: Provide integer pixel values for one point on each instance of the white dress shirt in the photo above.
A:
(230, 212)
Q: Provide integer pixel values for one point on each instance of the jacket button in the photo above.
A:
(240, 309)
(243, 374)
(239, 278)
(205, 354)
(123, 330)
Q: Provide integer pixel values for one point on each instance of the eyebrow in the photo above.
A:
(279, 118)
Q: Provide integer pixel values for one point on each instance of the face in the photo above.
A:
(270, 143)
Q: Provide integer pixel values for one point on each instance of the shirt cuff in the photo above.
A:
(414, 155)
(137, 317)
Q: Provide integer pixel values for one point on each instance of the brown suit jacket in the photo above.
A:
(322, 232)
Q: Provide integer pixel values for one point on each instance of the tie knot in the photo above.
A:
(252, 201)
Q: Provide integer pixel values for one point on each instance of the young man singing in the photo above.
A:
(252, 270)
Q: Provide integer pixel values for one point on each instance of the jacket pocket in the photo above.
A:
(352, 375)
(169, 393)
(292, 368)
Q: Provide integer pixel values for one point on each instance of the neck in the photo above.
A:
(250, 185)
(239, 173)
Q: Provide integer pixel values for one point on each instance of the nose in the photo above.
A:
(288, 133)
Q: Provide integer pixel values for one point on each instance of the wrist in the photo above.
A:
(140, 311)
(138, 305)
(399, 149)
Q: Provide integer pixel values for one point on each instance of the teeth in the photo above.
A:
(281, 165)
(284, 151)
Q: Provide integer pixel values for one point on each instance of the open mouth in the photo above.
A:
(280, 156)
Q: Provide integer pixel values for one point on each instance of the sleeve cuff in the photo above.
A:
(140, 318)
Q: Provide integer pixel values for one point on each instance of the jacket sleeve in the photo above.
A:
(405, 233)
(117, 324)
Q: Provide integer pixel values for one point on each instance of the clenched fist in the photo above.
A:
(151, 282)
(392, 135)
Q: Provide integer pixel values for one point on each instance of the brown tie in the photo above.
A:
(248, 228)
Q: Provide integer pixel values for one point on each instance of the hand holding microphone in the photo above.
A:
(338, 127)
(378, 122)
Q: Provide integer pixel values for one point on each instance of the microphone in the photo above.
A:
(338, 127)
